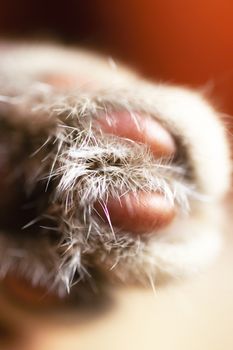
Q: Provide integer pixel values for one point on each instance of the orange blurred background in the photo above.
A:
(189, 42)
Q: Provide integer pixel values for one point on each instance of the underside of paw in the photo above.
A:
(108, 178)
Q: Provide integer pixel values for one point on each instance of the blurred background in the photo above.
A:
(187, 42)
(178, 41)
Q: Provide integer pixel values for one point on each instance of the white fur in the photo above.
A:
(197, 184)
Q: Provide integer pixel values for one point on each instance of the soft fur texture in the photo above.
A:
(74, 163)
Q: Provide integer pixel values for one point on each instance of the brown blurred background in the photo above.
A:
(188, 42)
